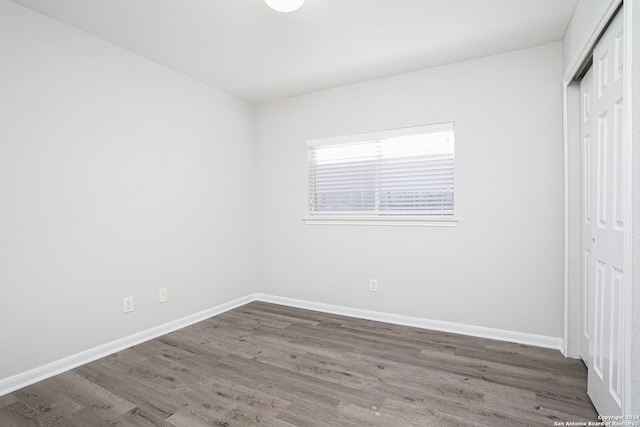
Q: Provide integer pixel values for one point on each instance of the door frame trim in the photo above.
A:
(606, 13)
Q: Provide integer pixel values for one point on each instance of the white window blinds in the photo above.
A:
(405, 172)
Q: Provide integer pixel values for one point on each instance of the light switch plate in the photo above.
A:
(163, 296)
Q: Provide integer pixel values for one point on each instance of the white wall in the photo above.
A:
(501, 267)
(117, 177)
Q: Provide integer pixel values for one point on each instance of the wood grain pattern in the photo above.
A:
(265, 364)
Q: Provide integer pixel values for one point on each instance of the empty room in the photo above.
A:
(319, 212)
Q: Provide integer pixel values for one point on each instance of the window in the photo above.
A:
(403, 175)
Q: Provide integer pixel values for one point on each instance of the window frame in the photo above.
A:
(379, 219)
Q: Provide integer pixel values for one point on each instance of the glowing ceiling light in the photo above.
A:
(284, 5)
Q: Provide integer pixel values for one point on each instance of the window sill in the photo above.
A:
(414, 221)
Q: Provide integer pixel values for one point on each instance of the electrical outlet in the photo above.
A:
(127, 305)
(162, 295)
(373, 285)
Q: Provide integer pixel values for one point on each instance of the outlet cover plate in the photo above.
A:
(127, 305)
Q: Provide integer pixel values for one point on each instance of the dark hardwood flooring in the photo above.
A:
(265, 364)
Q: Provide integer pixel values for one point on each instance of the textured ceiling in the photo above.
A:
(245, 48)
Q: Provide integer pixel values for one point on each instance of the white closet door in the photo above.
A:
(604, 194)
(587, 286)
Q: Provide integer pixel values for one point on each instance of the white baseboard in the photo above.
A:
(418, 322)
(32, 376)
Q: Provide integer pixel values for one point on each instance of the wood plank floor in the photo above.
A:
(265, 364)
